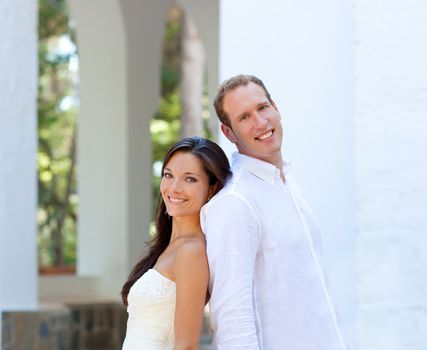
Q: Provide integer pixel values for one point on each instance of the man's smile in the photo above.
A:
(265, 136)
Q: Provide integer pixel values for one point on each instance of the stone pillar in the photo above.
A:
(303, 53)
(18, 144)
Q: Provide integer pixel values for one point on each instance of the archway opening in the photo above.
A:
(58, 104)
(184, 100)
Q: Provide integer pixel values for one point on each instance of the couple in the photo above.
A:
(246, 241)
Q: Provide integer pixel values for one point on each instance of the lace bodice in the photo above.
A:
(151, 312)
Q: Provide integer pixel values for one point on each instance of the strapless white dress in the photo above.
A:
(151, 310)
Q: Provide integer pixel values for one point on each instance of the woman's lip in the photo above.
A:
(176, 200)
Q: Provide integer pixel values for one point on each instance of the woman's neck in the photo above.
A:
(185, 227)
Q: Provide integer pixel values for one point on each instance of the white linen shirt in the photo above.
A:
(267, 286)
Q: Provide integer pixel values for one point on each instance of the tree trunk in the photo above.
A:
(58, 233)
(192, 74)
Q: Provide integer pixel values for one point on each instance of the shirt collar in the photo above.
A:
(264, 170)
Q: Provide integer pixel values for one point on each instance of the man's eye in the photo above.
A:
(263, 107)
(244, 117)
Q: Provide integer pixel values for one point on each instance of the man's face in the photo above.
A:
(256, 128)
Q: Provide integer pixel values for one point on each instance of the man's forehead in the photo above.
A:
(243, 97)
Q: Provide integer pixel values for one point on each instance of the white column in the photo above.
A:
(303, 53)
(391, 151)
(101, 147)
(119, 45)
(145, 22)
(18, 143)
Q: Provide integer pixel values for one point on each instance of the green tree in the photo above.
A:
(57, 114)
(166, 124)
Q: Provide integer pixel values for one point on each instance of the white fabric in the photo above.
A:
(267, 286)
(151, 312)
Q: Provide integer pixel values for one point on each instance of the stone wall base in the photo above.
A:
(100, 326)
(78, 326)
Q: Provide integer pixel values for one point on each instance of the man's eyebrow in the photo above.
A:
(266, 102)
(241, 115)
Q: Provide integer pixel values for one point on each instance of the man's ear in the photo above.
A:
(229, 134)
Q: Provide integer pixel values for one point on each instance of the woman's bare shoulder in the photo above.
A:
(191, 251)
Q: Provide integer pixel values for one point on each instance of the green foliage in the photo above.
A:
(53, 19)
(57, 200)
(165, 124)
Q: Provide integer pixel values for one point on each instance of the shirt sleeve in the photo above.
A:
(232, 232)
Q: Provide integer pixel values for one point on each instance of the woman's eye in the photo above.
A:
(167, 175)
(191, 179)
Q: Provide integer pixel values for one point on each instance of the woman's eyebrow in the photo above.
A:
(191, 173)
(186, 173)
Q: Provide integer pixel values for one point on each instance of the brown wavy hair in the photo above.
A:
(216, 166)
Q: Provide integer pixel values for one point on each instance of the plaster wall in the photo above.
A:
(391, 171)
(18, 126)
(303, 52)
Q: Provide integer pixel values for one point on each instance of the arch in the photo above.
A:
(119, 49)
(120, 55)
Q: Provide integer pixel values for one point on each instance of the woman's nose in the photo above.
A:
(176, 186)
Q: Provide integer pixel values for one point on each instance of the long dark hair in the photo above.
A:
(216, 166)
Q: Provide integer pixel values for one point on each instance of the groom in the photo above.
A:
(266, 281)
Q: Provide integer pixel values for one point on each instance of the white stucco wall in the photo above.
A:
(18, 89)
(302, 50)
(391, 173)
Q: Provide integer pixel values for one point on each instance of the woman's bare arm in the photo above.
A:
(192, 278)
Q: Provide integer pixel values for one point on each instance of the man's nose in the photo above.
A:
(260, 121)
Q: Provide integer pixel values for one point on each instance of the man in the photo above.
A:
(267, 285)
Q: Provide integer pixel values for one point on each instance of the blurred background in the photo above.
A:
(92, 94)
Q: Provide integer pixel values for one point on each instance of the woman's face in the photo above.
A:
(185, 185)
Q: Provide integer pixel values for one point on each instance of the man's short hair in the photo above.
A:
(231, 84)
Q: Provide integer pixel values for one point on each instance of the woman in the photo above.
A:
(167, 290)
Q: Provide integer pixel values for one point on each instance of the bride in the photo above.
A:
(167, 290)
